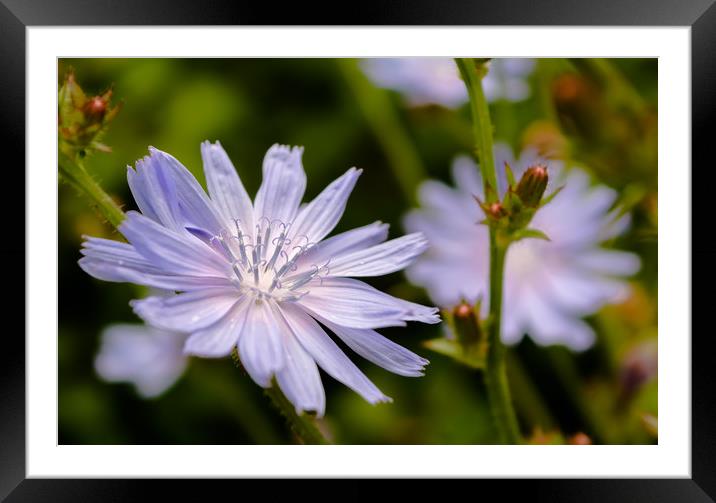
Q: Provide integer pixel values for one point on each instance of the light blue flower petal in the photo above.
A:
(320, 216)
(283, 185)
(155, 192)
(345, 242)
(582, 293)
(186, 312)
(377, 260)
(547, 325)
(380, 350)
(609, 262)
(115, 261)
(328, 355)
(173, 252)
(352, 303)
(217, 340)
(225, 187)
(149, 358)
(260, 342)
(299, 378)
(195, 207)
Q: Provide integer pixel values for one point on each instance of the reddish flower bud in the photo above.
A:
(467, 325)
(495, 210)
(95, 108)
(532, 185)
(580, 439)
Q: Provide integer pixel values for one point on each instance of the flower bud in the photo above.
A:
(95, 108)
(468, 329)
(81, 119)
(579, 439)
(532, 185)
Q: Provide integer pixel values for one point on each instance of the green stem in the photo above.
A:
(481, 126)
(74, 172)
(498, 390)
(381, 116)
(301, 424)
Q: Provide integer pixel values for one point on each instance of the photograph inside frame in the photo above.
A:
(342, 251)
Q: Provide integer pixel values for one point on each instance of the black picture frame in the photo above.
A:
(16, 15)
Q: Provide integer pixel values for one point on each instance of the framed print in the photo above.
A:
(419, 243)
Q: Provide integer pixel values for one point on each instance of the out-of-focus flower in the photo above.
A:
(549, 285)
(152, 359)
(259, 275)
(426, 81)
(81, 119)
(579, 438)
(639, 366)
(546, 139)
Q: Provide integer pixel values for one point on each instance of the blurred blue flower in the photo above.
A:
(152, 359)
(259, 275)
(426, 81)
(549, 285)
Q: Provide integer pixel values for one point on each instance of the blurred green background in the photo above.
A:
(599, 112)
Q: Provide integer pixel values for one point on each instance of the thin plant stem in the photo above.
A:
(301, 424)
(383, 119)
(481, 126)
(73, 171)
(498, 390)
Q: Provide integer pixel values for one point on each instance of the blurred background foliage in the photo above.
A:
(600, 113)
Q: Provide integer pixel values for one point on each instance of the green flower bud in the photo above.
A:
(532, 185)
(81, 119)
(468, 328)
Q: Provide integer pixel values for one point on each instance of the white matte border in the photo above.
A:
(45, 458)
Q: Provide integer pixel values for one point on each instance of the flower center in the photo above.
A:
(267, 262)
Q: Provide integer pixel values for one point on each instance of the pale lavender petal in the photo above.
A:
(149, 358)
(518, 67)
(225, 187)
(345, 242)
(583, 293)
(378, 349)
(384, 258)
(260, 343)
(174, 252)
(615, 226)
(422, 80)
(329, 356)
(116, 261)
(195, 207)
(189, 311)
(299, 378)
(284, 182)
(155, 192)
(516, 90)
(609, 262)
(547, 325)
(438, 196)
(320, 216)
(352, 303)
(217, 340)
(467, 175)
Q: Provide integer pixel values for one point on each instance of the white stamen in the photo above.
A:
(261, 257)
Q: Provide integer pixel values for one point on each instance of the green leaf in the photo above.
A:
(510, 175)
(549, 198)
(474, 357)
(530, 233)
